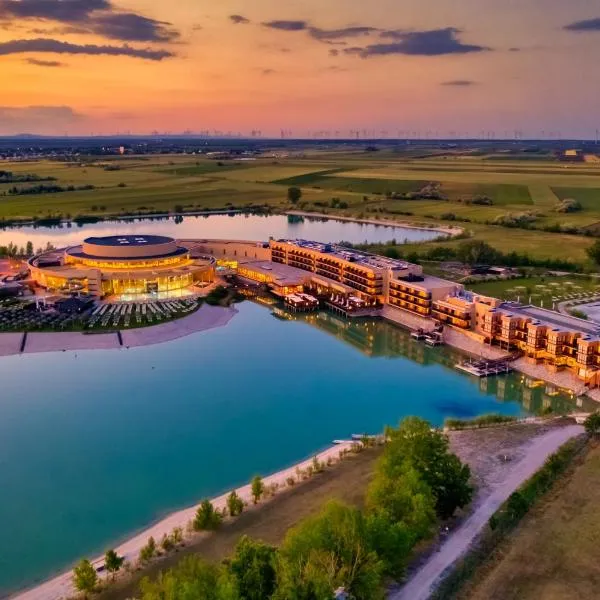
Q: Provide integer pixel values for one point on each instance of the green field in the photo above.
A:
(541, 291)
(513, 185)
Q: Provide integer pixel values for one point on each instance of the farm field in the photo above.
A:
(380, 185)
(552, 553)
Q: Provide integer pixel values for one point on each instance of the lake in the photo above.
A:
(96, 445)
(234, 227)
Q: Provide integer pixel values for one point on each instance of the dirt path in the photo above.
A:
(420, 586)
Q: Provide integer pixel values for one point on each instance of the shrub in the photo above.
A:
(207, 518)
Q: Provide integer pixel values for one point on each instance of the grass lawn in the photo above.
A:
(539, 244)
(589, 198)
(553, 553)
(542, 290)
(346, 481)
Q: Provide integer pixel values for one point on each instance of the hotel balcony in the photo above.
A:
(451, 319)
(410, 298)
(410, 306)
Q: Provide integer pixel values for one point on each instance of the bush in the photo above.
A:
(568, 205)
(207, 518)
(483, 421)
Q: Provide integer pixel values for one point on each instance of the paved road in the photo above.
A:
(419, 587)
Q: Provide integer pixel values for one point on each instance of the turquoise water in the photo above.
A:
(240, 227)
(96, 445)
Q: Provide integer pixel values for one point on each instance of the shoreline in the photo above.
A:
(205, 318)
(60, 587)
(451, 231)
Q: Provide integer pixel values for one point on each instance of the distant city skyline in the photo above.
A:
(304, 68)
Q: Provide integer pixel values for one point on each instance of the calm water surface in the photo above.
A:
(96, 445)
(247, 227)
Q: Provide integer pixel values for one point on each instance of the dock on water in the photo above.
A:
(485, 368)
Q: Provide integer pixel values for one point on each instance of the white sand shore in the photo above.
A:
(205, 318)
(10, 343)
(61, 587)
(62, 341)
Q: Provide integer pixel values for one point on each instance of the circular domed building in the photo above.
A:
(124, 266)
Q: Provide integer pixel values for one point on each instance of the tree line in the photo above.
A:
(417, 483)
(13, 251)
(473, 252)
(48, 189)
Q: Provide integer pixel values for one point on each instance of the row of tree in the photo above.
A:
(418, 481)
(477, 252)
(13, 251)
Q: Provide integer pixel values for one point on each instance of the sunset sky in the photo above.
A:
(106, 66)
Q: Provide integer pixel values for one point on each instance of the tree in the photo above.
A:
(85, 577)
(403, 498)
(191, 579)
(475, 252)
(113, 562)
(592, 423)
(207, 518)
(594, 252)
(327, 551)
(428, 452)
(235, 504)
(29, 249)
(148, 551)
(177, 535)
(294, 194)
(167, 543)
(258, 488)
(253, 569)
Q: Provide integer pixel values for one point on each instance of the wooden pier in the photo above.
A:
(485, 368)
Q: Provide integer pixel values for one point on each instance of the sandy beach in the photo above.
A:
(205, 318)
(61, 587)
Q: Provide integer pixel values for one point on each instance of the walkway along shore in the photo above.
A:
(205, 318)
(61, 587)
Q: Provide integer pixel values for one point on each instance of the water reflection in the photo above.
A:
(378, 338)
(231, 226)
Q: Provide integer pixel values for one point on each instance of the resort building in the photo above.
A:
(305, 275)
(123, 267)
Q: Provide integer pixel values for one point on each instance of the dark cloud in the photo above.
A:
(353, 51)
(44, 63)
(582, 26)
(130, 27)
(93, 16)
(68, 11)
(514, 49)
(459, 83)
(436, 42)
(59, 30)
(334, 52)
(287, 25)
(267, 71)
(342, 33)
(239, 20)
(58, 47)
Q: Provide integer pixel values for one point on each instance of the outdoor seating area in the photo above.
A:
(25, 317)
(137, 314)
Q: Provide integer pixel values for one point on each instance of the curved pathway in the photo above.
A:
(423, 582)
